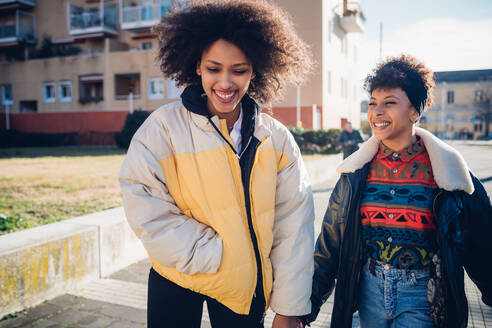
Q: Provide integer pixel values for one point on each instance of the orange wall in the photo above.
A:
(66, 122)
(288, 115)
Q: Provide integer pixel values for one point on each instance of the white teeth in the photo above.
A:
(224, 95)
(378, 125)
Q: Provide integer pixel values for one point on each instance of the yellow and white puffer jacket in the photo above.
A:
(183, 197)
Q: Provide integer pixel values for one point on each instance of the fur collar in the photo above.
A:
(449, 168)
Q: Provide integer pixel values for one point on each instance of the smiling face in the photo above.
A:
(226, 73)
(392, 117)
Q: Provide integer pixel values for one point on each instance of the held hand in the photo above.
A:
(282, 321)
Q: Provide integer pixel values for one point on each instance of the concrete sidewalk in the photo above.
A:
(119, 301)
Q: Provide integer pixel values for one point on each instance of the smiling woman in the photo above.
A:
(414, 217)
(217, 190)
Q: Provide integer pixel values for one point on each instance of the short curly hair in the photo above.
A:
(409, 74)
(261, 30)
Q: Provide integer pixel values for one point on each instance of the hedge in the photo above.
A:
(316, 141)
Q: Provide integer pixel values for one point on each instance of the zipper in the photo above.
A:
(254, 238)
(247, 205)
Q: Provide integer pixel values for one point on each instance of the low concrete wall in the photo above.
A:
(43, 262)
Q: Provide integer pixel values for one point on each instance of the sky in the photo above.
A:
(447, 35)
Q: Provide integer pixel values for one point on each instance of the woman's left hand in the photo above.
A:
(282, 321)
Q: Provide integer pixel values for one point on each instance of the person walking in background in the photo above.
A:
(349, 140)
(216, 190)
(405, 218)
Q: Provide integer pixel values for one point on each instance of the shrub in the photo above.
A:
(132, 123)
(10, 222)
(316, 141)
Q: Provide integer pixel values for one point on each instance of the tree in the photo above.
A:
(483, 107)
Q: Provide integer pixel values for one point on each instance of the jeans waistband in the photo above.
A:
(381, 270)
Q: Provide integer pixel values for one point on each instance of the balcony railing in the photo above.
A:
(20, 29)
(143, 15)
(351, 20)
(93, 20)
(25, 3)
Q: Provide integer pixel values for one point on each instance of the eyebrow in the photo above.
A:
(391, 96)
(217, 63)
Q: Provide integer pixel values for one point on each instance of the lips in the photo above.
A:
(224, 96)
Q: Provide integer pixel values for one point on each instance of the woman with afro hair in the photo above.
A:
(216, 190)
(404, 219)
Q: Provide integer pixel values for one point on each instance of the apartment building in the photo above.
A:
(332, 94)
(81, 65)
(454, 114)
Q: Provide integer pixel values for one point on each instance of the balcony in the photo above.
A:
(352, 18)
(21, 28)
(93, 21)
(7, 5)
(144, 14)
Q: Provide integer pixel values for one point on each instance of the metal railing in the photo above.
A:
(23, 28)
(84, 18)
(145, 12)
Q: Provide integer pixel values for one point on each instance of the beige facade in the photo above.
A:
(333, 34)
(454, 114)
(117, 56)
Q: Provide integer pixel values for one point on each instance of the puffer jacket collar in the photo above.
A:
(194, 100)
(448, 166)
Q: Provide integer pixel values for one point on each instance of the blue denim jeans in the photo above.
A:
(393, 298)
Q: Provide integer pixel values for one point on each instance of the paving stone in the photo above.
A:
(95, 321)
(124, 312)
(20, 321)
(44, 323)
(69, 316)
(124, 324)
(43, 310)
(137, 273)
(65, 300)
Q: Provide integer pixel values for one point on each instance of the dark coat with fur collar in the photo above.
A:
(464, 219)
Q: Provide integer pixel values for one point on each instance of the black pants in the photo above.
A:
(170, 305)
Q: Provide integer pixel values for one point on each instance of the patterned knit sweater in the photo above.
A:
(396, 208)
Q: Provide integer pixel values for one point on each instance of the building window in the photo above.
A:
(65, 91)
(126, 84)
(330, 26)
(90, 88)
(450, 94)
(28, 106)
(355, 54)
(479, 95)
(49, 92)
(7, 96)
(156, 88)
(146, 45)
(328, 82)
(344, 45)
(172, 90)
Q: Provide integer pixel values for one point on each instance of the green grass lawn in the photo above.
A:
(45, 185)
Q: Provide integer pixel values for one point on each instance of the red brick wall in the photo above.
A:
(66, 122)
(288, 115)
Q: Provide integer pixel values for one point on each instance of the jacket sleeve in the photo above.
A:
(479, 248)
(293, 233)
(170, 237)
(327, 249)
